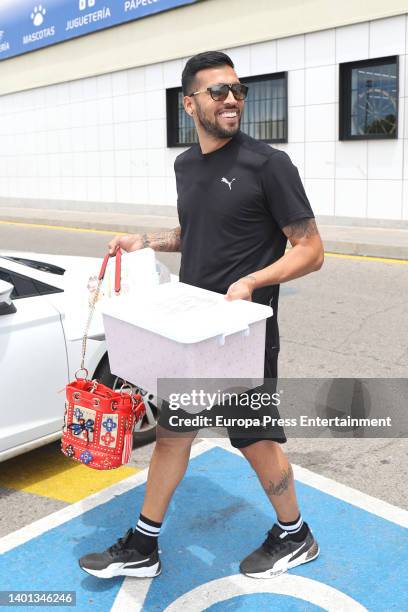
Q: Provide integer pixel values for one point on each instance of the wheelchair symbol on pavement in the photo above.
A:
(312, 591)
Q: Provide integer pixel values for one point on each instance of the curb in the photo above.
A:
(366, 250)
(152, 224)
(126, 227)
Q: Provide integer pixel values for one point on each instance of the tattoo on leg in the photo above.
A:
(282, 486)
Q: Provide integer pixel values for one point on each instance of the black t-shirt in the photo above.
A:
(232, 206)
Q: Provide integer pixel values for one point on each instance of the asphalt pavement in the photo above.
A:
(347, 320)
(218, 514)
(388, 241)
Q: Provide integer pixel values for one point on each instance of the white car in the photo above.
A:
(36, 357)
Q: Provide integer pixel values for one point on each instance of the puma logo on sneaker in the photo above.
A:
(279, 553)
(122, 560)
(227, 182)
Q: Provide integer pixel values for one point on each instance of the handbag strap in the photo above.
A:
(118, 266)
(92, 304)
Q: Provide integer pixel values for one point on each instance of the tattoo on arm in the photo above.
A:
(146, 241)
(280, 487)
(166, 241)
(304, 228)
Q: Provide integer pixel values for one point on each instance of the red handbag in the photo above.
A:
(99, 422)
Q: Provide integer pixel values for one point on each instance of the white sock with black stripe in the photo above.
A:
(145, 535)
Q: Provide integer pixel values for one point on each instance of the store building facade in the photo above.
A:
(95, 123)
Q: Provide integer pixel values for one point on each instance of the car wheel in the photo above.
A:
(145, 430)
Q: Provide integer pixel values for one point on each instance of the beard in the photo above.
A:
(213, 128)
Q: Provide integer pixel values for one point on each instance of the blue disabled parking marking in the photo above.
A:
(218, 515)
(262, 601)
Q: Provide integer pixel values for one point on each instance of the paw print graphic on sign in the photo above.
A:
(37, 16)
(83, 4)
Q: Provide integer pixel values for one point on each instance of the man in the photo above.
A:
(239, 201)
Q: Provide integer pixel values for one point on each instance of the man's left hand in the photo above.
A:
(241, 290)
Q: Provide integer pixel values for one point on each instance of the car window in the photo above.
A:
(37, 265)
(25, 286)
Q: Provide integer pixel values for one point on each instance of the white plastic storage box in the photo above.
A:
(138, 269)
(177, 331)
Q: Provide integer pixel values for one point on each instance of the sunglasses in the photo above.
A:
(219, 93)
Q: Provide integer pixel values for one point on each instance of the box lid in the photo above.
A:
(187, 314)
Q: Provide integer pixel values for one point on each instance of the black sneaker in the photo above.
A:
(279, 553)
(119, 560)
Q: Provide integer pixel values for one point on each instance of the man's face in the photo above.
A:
(218, 119)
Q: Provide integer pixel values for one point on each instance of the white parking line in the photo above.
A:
(132, 593)
(376, 506)
(327, 485)
(317, 593)
(33, 530)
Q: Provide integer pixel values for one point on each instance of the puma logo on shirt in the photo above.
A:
(229, 183)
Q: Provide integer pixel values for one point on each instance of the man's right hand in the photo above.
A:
(129, 242)
(167, 241)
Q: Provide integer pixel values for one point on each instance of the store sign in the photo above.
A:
(28, 25)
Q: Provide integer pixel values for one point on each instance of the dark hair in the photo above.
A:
(201, 61)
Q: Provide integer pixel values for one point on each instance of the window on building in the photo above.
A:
(265, 114)
(369, 99)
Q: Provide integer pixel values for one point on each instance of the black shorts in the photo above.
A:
(240, 437)
(276, 433)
